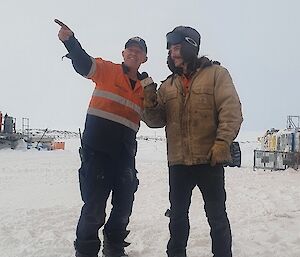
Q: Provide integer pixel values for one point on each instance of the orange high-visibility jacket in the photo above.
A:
(113, 97)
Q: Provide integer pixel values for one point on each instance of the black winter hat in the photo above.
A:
(137, 41)
(184, 34)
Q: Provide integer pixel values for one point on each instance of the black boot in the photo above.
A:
(181, 253)
(114, 244)
(178, 255)
(78, 254)
(89, 248)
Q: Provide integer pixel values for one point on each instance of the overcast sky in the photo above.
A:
(256, 40)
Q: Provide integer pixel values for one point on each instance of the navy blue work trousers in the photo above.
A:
(100, 175)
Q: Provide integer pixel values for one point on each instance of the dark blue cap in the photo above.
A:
(137, 41)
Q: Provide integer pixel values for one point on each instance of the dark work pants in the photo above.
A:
(210, 181)
(99, 175)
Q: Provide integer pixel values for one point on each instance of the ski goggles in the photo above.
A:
(174, 38)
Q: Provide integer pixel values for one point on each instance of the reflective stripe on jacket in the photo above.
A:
(113, 97)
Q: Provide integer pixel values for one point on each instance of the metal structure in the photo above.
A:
(1, 117)
(280, 148)
(25, 127)
(9, 138)
(293, 122)
(275, 160)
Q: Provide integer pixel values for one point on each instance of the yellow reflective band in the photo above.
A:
(118, 99)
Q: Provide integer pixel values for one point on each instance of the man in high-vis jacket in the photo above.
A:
(108, 144)
(201, 112)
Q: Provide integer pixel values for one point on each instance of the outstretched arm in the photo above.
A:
(81, 61)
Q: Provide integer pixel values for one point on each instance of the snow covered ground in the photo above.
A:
(40, 204)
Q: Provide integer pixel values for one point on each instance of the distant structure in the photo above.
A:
(10, 138)
(280, 149)
(292, 122)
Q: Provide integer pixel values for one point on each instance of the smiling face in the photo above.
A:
(134, 56)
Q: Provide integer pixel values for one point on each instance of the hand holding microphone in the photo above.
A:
(150, 96)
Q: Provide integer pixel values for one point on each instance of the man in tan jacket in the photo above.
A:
(201, 112)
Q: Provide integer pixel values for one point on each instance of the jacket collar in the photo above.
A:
(126, 70)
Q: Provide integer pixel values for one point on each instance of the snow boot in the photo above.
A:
(87, 248)
(177, 254)
(78, 254)
(114, 244)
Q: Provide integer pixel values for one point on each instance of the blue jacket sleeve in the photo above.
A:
(81, 61)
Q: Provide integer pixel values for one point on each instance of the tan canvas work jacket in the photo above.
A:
(209, 111)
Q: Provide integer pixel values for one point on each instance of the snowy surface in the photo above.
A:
(40, 205)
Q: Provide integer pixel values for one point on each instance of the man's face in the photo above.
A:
(134, 56)
(175, 53)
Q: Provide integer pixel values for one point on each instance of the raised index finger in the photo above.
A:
(60, 23)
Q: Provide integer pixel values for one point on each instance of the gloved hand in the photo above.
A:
(150, 96)
(219, 153)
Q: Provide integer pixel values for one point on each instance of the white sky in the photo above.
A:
(256, 40)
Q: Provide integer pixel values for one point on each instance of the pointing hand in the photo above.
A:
(65, 32)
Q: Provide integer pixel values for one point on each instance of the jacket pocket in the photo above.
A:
(203, 97)
(171, 95)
